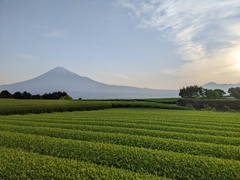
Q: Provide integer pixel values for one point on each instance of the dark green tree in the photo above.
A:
(67, 97)
(191, 92)
(54, 95)
(17, 95)
(234, 92)
(37, 96)
(26, 95)
(5, 94)
(214, 94)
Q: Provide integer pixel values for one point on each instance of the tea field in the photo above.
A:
(22, 106)
(121, 143)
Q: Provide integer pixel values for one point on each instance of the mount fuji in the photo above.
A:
(61, 79)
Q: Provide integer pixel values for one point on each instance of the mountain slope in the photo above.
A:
(224, 87)
(61, 79)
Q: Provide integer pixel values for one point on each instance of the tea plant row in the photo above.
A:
(234, 141)
(196, 148)
(19, 164)
(121, 144)
(157, 162)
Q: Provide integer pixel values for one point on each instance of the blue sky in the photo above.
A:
(163, 44)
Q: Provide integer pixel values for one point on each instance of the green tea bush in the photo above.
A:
(163, 163)
(125, 143)
(48, 106)
(196, 148)
(139, 104)
(224, 140)
(18, 164)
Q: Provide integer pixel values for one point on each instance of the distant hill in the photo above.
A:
(61, 79)
(224, 87)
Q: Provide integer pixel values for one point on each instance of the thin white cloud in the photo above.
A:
(222, 66)
(234, 29)
(24, 57)
(201, 29)
(124, 76)
(51, 32)
(55, 34)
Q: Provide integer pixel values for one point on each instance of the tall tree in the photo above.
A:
(234, 92)
(17, 95)
(37, 96)
(191, 92)
(5, 94)
(26, 95)
(54, 95)
(214, 94)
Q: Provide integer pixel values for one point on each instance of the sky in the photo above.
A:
(160, 44)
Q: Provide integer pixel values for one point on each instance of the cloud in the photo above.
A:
(51, 32)
(24, 56)
(222, 67)
(124, 76)
(203, 30)
(55, 34)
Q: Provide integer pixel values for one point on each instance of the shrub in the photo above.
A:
(220, 103)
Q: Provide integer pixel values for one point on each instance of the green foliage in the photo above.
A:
(17, 95)
(142, 104)
(214, 103)
(26, 95)
(67, 97)
(19, 164)
(165, 100)
(228, 109)
(160, 100)
(120, 144)
(12, 106)
(206, 107)
(179, 133)
(234, 92)
(163, 163)
(153, 100)
(196, 148)
(190, 106)
(214, 94)
(5, 94)
(54, 95)
(191, 92)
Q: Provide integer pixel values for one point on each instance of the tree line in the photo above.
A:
(195, 91)
(27, 95)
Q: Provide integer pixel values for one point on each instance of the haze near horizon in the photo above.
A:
(155, 44)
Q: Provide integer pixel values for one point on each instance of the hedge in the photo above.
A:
(218, 103)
